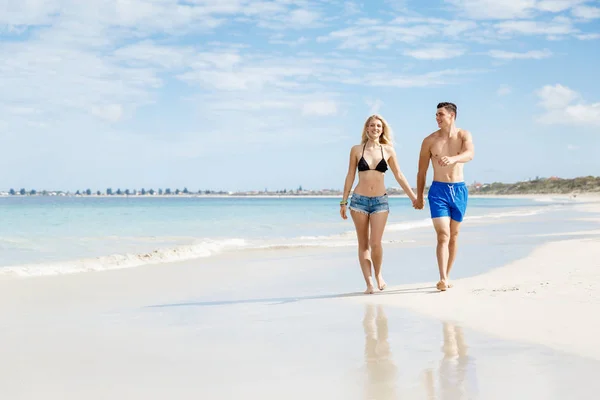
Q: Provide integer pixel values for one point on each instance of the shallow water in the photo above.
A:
(56, 235)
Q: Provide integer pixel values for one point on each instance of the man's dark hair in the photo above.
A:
(450, 107)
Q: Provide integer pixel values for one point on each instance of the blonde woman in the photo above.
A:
(369, 204)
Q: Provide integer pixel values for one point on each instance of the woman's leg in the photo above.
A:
(361, 223)
(378, 221)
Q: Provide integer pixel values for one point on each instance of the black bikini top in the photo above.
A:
(364, 166)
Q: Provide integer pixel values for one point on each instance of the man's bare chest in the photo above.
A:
(446, 147)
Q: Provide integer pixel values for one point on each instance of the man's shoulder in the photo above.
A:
(431, 137)
(463, 133)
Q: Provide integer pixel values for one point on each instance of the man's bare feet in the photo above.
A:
(380, 282)
(441, 286)
(370, 290)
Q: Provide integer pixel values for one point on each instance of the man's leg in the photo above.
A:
(457, 213)
(442, 229)
(452, 245)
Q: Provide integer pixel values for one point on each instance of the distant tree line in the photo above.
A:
(141, 192)
(552, 185)
(110, 192)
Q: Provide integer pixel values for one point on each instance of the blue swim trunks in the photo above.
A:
(448, 200)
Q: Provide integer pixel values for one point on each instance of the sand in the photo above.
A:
(551, 297)
(226, 327)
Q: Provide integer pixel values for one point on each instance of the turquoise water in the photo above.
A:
(60, 234)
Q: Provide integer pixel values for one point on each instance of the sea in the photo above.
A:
(50, 235)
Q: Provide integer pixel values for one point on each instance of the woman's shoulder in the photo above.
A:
(356, 147)
(389, 148)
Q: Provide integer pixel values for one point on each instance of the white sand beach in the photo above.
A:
(293, 323)
(551, 297)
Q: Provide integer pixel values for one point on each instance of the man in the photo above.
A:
(448, 148)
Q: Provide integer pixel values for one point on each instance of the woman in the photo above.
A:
(369, 204)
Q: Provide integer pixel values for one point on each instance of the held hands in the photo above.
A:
(418, 203)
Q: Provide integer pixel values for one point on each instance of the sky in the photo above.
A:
(272, 94)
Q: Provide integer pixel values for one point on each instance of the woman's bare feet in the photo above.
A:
(441, 285)
(370, 287)
(381, 283)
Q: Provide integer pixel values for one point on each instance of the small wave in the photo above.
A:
(289, 246)
(118, 261)
(559, 199)
(207, 248)
(405, 226)
(509, 214)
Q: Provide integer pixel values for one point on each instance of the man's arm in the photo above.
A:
(466, 155)
(468, 149)
(424, 157)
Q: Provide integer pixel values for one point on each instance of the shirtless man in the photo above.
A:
(448, 148)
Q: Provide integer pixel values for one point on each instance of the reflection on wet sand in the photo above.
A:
(381, 370)
(457, 380)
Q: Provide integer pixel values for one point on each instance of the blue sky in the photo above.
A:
(245, 94)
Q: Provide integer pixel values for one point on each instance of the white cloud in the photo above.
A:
(493, 9)
(588, 36)
(572, 147)
(30, 12)
(351, 8)
(504, 90)
(435, 78)
(557, 96)
(16, 110)
(55, 78)
(556, 6)
(374, 106)
(73, 59)
(457, 27)
(320, 108)
(556, 27)
(251, 75)
(586, 12)
(565, 106)
(378, 36)
(368, 34)
(109, 112)
(511, 9)
(279, 39)
(148, 53)
(436, 52)
(532, 54)
(300, 17)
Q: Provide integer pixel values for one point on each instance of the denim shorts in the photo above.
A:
(369, 205)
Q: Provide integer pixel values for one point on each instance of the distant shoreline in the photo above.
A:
(305, 196)
(552, 186)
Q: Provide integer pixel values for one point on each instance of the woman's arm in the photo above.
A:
(400, 178)
(350, 175)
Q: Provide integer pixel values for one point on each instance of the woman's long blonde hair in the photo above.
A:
(386, 136)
